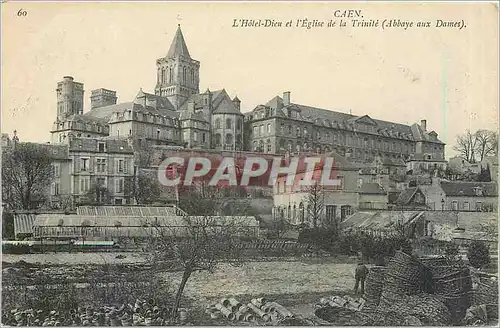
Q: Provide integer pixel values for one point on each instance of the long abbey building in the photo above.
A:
(177, 113)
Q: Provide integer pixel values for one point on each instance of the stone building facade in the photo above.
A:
(176, 114)
(282, 126)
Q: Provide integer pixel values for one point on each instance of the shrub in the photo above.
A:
(478, 254)
(451, 249)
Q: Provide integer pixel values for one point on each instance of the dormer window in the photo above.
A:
(101, 146)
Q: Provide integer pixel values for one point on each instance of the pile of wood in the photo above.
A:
(342, 302)
(259, 310)
(141, 313)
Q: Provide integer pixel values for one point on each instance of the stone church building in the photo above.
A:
(178, 114)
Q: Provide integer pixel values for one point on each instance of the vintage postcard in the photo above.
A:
(249, 163)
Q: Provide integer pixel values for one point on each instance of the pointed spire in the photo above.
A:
(178, 46)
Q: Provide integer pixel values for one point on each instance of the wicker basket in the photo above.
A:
(373, 286)
(455, 283)
(427, 308)
(400, 285)
(388, 299)
(457, 304)
(486, 292)
(442, 266)
(407, 267)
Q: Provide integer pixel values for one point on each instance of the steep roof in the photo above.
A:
(420, 135)
(378, 220)
(372, 188)
(105, 112)
(152, 100)
(406, 195)
(196, 116)
(224, 105)
(221, 103)
(342, 120)
(57, 152)
(468, 189)
(178, 46)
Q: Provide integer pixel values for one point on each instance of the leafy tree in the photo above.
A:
(26, 174)
(485, 175)
(478, 254)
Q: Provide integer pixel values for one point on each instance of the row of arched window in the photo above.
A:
(228, 140)
(166, 75)
(229, 123)
(296, 214)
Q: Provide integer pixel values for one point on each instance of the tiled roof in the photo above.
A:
(343, 120)
(221, 103)
(105, 112)
(341, 161)
(420, 135)
(153, 101)
(462, 188)
(406, 195)
(113, 145)
(178, 46)
(392, 162)
(372, 189)
(196, 116)
(378, 220)
(57, 152)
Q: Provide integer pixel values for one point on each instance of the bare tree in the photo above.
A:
(486, 144)
(203, 242)
(315, 204)
(26, 173)
(476, 146)
(466, 146)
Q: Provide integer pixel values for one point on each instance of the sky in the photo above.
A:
(447, 76)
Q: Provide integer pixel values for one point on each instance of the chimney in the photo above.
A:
(237, 103)
(286, 98)
(102, 97)
(191, 107)
(423, 125)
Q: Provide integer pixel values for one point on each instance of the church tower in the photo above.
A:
(177, 74)
(69, 97)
